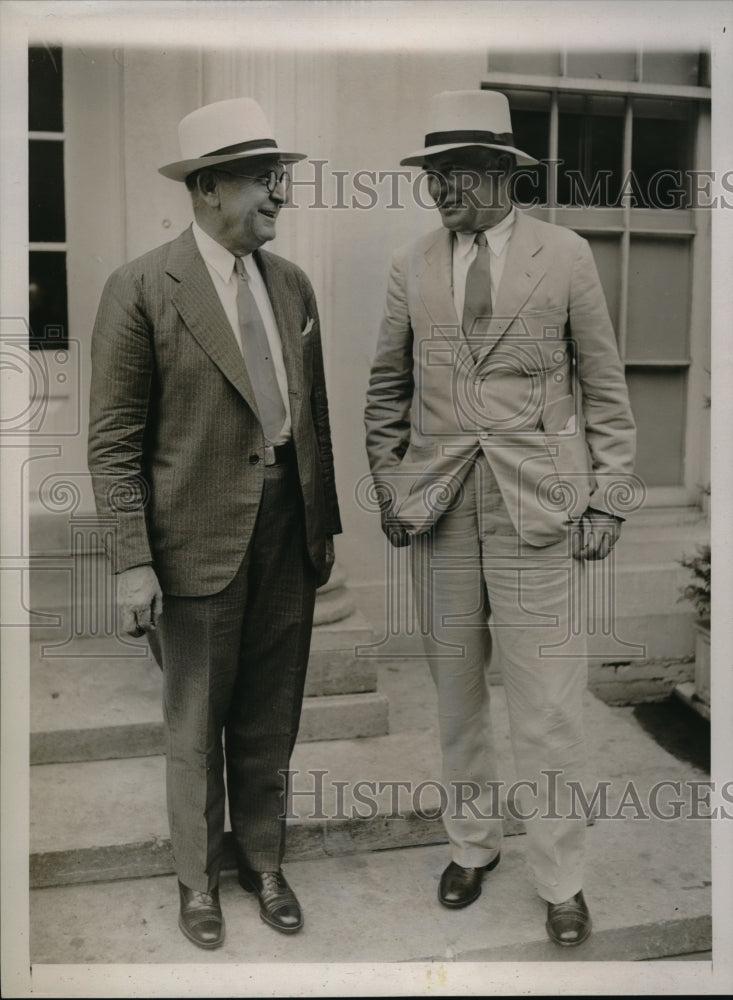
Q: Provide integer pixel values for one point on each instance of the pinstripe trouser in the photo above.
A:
(472, 565)
(235, 663)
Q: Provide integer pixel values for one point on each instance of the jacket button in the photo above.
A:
(254, 458)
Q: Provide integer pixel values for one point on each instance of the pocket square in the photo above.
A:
(307, 328)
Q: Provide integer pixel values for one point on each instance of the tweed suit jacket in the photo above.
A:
(542, 393)
(175, 445)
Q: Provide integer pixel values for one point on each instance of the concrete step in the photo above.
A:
(662, 536)
(331, 717)
(94, 699)
(104, 890)
(75, 595)
(648, 651)
(107, 820)
(688, 694)
(381, 907)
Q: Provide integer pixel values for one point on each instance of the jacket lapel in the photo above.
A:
(200, 308)
(522, 272)
(287, 305)
(436, 282)
(436, 292)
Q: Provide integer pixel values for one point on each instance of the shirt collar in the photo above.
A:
(496, 237)
(215, 255)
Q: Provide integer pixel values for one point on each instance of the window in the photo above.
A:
(48, 313)
(617, 134)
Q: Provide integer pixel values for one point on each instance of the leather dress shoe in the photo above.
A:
(200, 918)
(461, 886)
(568, 923)
(278, 904)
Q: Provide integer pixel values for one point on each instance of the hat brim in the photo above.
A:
(417, 159)
(180, 170)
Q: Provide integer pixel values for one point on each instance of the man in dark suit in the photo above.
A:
(209, 444)
(498, 427)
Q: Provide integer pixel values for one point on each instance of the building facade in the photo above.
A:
(624, 143)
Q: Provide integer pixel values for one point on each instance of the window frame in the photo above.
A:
(688, 224)
(60, 246)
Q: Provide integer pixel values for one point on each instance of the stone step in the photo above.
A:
(330, 717)
(107, 819)
(94, 826)
(687, 693)
(101, 698)
(104, 820)
(75, 595)
(662, 536)
(648, 651)
(380, 908)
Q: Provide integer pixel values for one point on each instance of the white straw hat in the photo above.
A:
(230, 130)
(459, 118)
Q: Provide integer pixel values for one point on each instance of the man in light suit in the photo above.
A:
(498, 427)
(209, 445)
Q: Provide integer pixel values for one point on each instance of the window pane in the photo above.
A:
(672, 67)
(659, 296)
(607, 253)
(540, 62)
(45, 90)
(531, 131)
(590, 147)
(602, 65)
(47, 299)
(46, 210)
(658, 403)
(660, 154)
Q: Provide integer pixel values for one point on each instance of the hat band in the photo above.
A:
(468, 136)
(242, 147)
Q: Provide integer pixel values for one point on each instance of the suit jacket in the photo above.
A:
(175, 445)
(543, 393)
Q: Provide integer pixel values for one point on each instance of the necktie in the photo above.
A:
(477, 301)
(258, 358)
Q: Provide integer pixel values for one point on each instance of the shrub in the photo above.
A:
(697, 592)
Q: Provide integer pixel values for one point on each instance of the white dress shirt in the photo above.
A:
(464, 252)
(220, 265)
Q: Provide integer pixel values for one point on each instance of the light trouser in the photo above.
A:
(473, 564)
(235, 663)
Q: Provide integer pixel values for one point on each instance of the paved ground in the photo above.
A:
(373, 922)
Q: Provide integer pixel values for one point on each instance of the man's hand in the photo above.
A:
(330, 558)
(139, 600)
(395, 532)
(596, 535)
(330, 550)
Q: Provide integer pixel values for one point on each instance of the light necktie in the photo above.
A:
(477, 302)
(258, 358)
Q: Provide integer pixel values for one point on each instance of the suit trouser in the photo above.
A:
(472, 564)
(235, 662)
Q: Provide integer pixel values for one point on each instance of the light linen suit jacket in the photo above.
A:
(542, 394)
(176, 450)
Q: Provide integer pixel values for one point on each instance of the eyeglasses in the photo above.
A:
(271, 179)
